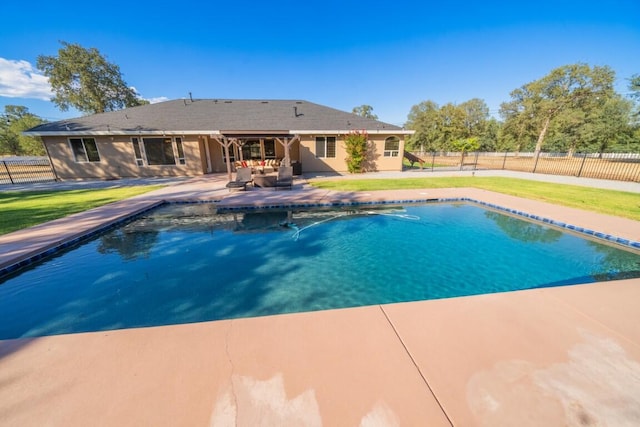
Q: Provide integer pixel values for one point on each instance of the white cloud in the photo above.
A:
(18, 79)
(157, 99)
(154, 100)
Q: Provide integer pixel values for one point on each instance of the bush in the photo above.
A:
(355, 143)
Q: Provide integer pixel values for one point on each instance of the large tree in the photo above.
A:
(452, 126)
(13, 122)
(82, 78)
(570, 87)
(442, 128)
(423, 119)
(634, 86)
(476, 114)
(365, 111)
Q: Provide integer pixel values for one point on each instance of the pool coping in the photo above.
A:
(438, 362)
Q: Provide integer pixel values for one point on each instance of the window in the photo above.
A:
(180, 151)
(392, 146)
(84, 149)
(138, 151)
(325, 146)
(251, 150)
(269, 149)
(232, 154)
(159, 151)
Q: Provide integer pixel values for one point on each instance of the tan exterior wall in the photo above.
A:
(376, 162)
(118, 160)
(216, 152)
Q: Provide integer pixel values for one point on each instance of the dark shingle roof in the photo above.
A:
(207, 115)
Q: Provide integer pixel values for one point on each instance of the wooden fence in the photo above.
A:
(614, 166)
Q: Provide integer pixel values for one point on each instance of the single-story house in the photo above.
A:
(199, 136)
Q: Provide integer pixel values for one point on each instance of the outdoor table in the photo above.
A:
(265, 180)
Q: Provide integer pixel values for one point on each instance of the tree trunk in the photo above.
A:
(543, 132)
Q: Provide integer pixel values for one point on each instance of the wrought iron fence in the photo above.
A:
(26, 171)
(614, 166)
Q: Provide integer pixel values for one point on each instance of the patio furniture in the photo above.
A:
(285, 177)
(243, 177)
(259, 166)
(297, 168)
(263, 181)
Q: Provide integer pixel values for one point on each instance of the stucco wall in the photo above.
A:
(375, 162)
(117, 159)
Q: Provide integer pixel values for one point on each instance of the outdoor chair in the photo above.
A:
(243, 177)
(285, 177)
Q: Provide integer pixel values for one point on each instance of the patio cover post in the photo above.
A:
(226, 143)
(287, 143)
(239, 144)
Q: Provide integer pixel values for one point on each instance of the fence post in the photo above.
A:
(433, 160)
(475, 162)
(504, 162)
(584, 158)
(8, 173)
(462, 161)
(535, 165)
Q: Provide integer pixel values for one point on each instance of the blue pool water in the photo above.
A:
(187, 263)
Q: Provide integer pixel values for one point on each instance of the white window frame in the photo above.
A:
(85, 152)
(391, 153)
(143, 160)
(178, 148)
(137, 142)
(325, 141)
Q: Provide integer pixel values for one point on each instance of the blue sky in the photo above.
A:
(390, 55)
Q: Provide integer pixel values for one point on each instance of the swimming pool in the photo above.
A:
(188, 263)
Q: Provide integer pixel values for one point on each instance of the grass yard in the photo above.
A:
(609, 202)
(20, 210)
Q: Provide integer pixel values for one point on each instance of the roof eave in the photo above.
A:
(213, 132)
(128, 132)
(369, 131)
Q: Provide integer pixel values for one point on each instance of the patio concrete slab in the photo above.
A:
(154, 376)
(528, 358)
(614, 305)
(340, 367)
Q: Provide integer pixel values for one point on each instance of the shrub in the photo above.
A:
(355, 143)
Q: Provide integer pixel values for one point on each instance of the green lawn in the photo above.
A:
(24, 209)
(610, 202)
(406, 164)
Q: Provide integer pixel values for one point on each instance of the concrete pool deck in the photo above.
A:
(552, 356)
